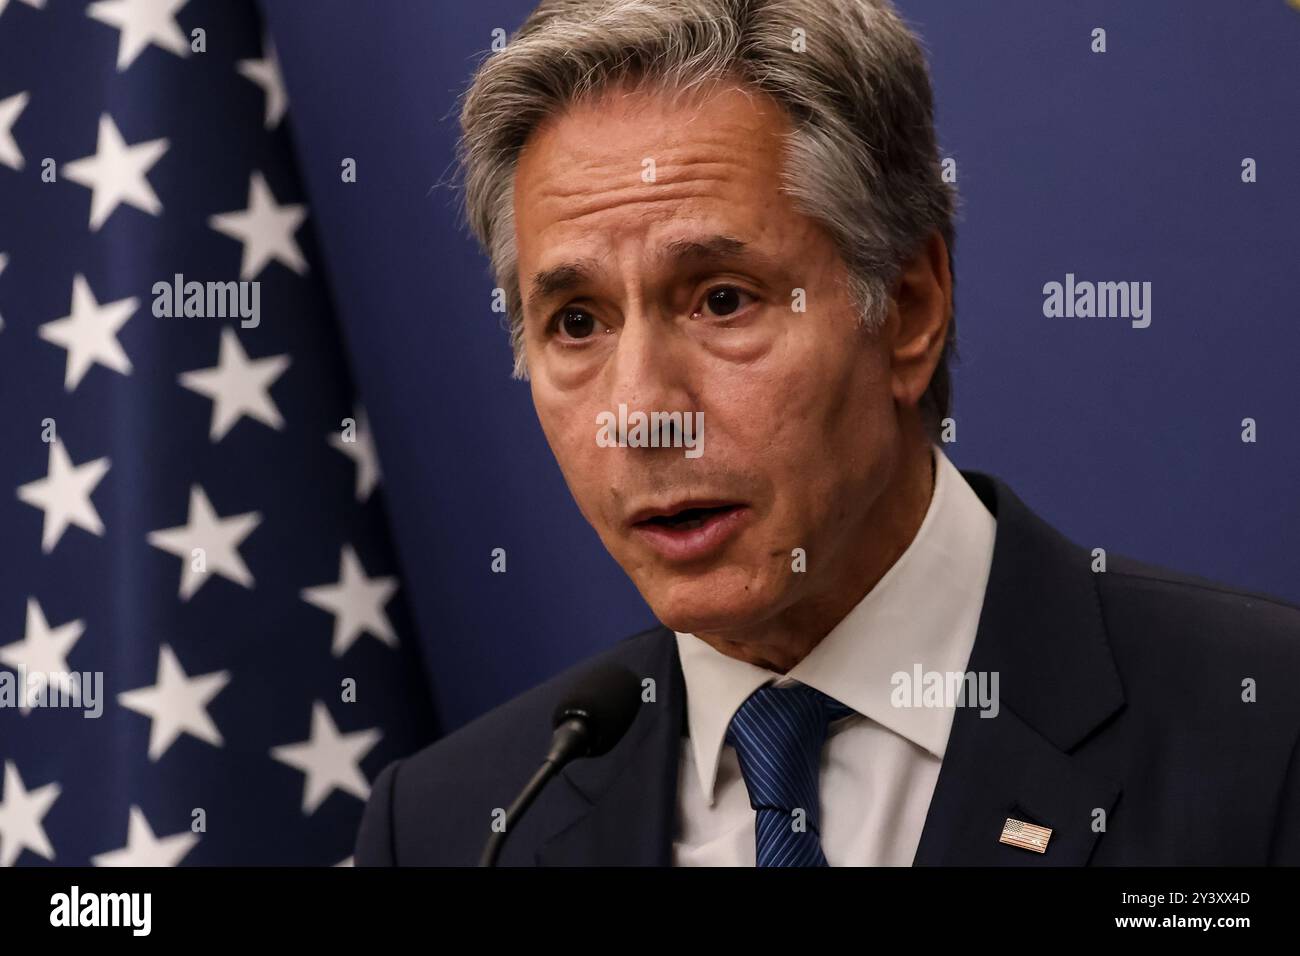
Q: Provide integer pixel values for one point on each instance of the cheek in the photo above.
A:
(791, 409)
(843, 393)
(549, 418)
(570, 430)
(575, 447)
(562, 424)
(810, 419)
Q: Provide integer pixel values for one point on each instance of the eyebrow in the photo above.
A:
(569, 275)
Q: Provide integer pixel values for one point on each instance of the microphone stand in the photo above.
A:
(569, 741)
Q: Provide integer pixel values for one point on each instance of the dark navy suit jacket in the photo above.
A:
(1121, 692)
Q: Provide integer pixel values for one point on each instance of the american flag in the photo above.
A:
(190, 496)
(1027, 836)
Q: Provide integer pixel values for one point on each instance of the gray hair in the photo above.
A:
(861, 159)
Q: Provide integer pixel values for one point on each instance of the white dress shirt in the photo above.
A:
(879, 765)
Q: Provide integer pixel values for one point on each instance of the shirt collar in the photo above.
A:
(923, 613)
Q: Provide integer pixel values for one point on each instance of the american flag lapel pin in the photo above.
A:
(1027, 836)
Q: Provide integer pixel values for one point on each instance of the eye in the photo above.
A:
(722, 301)
(575, 323)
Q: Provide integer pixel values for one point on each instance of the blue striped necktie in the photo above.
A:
(778, 734)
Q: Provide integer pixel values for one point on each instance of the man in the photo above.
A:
(733, 211)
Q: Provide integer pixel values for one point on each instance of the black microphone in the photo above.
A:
(591, 718)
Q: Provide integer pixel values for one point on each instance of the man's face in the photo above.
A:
(682, 293)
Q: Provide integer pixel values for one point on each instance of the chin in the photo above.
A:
(712, 602)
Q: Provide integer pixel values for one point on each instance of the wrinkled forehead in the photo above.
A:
(642, 162)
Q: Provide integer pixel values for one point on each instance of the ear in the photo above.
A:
(920, 309)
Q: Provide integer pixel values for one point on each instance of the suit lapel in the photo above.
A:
(1042, 632)
(999, 768)
(620, 809)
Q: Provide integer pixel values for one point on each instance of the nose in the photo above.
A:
(651, 368)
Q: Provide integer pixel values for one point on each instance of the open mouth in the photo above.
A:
(693, 533)
(688, 519)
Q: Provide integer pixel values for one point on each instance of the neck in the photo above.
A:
(875, 543)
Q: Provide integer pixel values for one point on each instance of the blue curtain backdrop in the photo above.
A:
(1117, 166)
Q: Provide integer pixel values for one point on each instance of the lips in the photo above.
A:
(692, 530)
(692, 509)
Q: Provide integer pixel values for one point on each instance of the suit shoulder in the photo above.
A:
(1194, 614)
(437, 804)
(484, 763)
(529, 713)
(1161, 583)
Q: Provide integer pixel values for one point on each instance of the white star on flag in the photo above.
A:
(89, 333)
(266, 74)
(216, 541)
(35, 4)
(116, 174)
(357, 603)
(265, 228)
(142, 22)
(144, 849)
(238, 386)
(362, 451)
(176, 704)
(10, 108)
(330, 760)
(64, 495)
(43, 651)
(21, 813)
